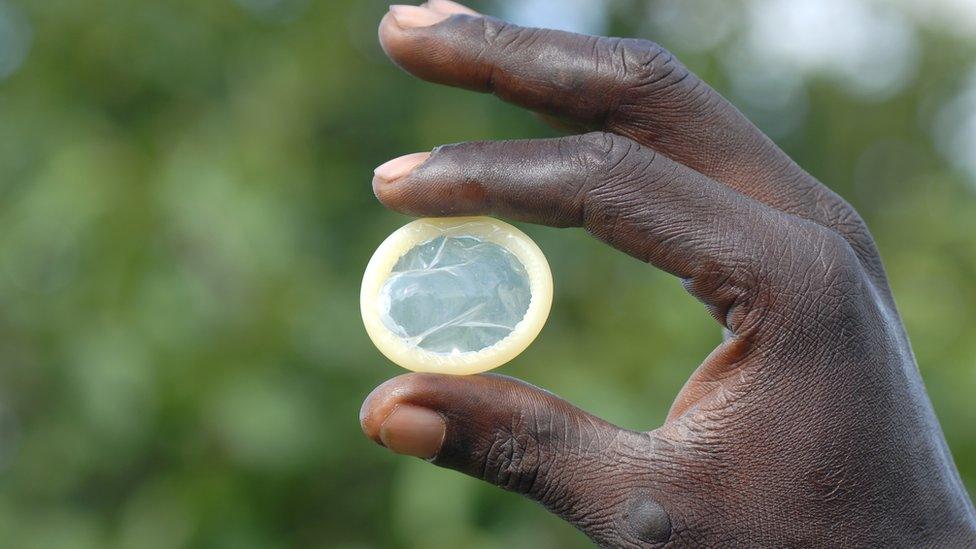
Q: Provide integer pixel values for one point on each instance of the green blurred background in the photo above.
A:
(185, 214)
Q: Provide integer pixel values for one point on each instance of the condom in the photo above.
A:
(457, 295)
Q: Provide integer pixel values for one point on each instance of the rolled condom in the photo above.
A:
(455, 295)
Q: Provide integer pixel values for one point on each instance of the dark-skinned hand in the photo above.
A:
(808, 426)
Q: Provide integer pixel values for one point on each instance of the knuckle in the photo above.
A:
(826, 277)
(595, 148)
(653, 81)
(604, 154)
(516, 461)
(647, 66)
(620, 177)
(840, 274)
(841, 216)
(833, 258)
(816, 257)
(537, 453)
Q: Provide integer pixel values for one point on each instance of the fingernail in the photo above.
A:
(400, 167)
(447, 6)
(408, 17)
(413, 431)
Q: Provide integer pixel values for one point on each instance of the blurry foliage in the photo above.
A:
(185, 214)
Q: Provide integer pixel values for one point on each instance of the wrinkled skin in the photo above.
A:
(808, 426)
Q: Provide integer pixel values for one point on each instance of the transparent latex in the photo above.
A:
(455, 294)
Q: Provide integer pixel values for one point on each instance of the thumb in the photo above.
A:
(520, 438)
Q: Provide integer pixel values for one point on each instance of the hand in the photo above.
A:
(808, 426)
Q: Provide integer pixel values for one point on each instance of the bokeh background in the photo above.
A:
(185, 214)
